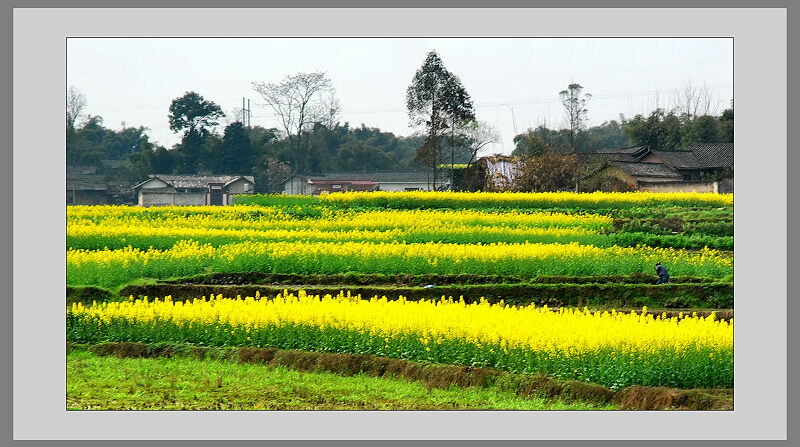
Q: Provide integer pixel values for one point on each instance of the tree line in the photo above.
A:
(311, 138)
(268, 154)
(689, 121)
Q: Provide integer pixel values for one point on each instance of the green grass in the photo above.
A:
(507, 201)
(411, 236)
(110, 383)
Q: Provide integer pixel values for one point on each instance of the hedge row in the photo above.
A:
(352, 278)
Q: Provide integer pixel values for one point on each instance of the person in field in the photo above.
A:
(663, 274)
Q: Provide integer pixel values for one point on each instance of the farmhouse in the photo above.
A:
(316, 184)
(192, 189)
(701, 168)
(700, 162)
(85, 186)
(633, 175)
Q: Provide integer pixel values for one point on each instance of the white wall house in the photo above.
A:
(161, 190)
(357, 181)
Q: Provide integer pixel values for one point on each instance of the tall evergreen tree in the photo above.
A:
(436, 100)
(236, 153)
(574, 101)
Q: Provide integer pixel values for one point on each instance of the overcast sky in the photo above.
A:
(514, 82)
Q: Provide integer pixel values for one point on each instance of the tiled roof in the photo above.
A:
(678, 159)
(591, 158)
(629, 154)
(84, 185)
(697, 156)
(713, 155)
(384, 177)
(98, 182)
(641, 169)
(351, 182)
(197, 181)
(633, 151)
(86, 182)
(115, 163)
(81, 169)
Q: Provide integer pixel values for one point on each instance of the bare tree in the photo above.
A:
(76, 104)
(479, 134)
(298, 101)
(710, 101)
(328, 110)
(236, 115)
(687, 101)
(654, 102)
(574, 101)
(692, 101)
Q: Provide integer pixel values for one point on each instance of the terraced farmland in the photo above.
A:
(556, 285)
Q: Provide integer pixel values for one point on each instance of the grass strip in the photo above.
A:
(558, 394)
(481, 200)
(148, 238)
(183, 383)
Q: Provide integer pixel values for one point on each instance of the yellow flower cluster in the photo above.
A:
(106, 225)
(112, 245)
(184, 231)
(531, 328)
(95, 212)
(425, 252)
(101, 218)
(182, 251)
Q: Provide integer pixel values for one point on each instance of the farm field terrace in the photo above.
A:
(111, 246)
(608, 348)
(442, 278)
(186, 383)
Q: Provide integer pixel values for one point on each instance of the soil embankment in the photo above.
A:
(620, 292)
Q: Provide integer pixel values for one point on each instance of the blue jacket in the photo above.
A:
(662, 271)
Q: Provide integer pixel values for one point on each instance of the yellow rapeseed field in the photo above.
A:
(529, 327)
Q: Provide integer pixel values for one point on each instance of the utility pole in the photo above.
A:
(246, 114)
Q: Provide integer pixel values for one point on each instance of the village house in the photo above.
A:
(315, 184)
(85, 186)
(701, 168)
(159, 190)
